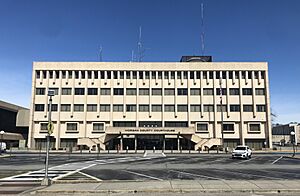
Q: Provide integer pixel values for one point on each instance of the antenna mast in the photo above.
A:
(202, 28)
(141, 50)
(100, 54)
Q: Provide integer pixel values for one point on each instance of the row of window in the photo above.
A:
(97, 127)
(154, 91)
(146, 108)
(146, 74)
(228, 127)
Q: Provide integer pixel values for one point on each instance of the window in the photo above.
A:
(159, 75)
(176, 124)
(55, 90)
(54, 107)
(172, 74)
(234, 91)
(195, 91)
(228, 127)
(141, 75)
(249, 74)
(89, 75)
(124, 124)
(50, 74)
(169, 108)
(79, 91)
(98, 126)
(70, 74)
(156, 91)
(66, 91)
(217, 75)
(39, 107)
(185, 75)
(208, 108)
(40, 91)
(256, 74)
(153, 75)
(82, 74)
(192, 74)
(72, 126)
(102, 75)
(147, 75)
(202, 127)
(195, 108)
(91, 107)
(237, 76)
(118, 108)
(115, 74)
(130, 91)
(182, 108)
(247, 91)
(143, 91)
(224, 108)
(248, 108)
(208, 91)
(156, 108)
(218, 91)
(76, 75)
(211, 75)
(96, 74)
(178, 74)
(150, 124)
(198, 74)
(230, 74)
(169, 91)
(108, 74)
(104, 108)
(182, 91)
(166, 75)
(92, 91)
(254, 127)
(131, 108)
(204, 75)
(65, 107)
(44, 74)
(127, 74)
(121, 74)
(243, 75)
(78, 107)
(134, 75)
(235, 108)
(38, 74)
(105, 91)
(144, 108)
(260, 108)
(262, 75)
(44, 127)
(118, 91)
(259, 91)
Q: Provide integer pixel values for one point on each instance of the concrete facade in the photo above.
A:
(107, 104)
(281, 134)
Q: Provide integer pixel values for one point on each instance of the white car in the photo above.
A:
(242, 152)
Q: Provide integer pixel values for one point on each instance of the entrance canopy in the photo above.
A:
(11, 136)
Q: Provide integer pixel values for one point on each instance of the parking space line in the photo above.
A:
(198, 175)
(89, 176)
(139, 174)
(277, 160)
(258, 175)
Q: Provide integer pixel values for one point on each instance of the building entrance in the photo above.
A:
(148, 142)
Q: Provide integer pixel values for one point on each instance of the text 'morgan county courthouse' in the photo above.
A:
(142, 105)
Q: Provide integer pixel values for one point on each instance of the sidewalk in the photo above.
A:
(207, 186)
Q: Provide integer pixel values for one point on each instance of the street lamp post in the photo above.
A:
(1, 145)
(46, 181)
(293, 141)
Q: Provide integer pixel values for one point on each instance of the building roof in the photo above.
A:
(11, 107)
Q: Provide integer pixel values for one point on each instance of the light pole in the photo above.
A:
(1, 145)
(293, 139)
(46, 181)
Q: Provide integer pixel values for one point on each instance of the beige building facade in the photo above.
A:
(142, 105)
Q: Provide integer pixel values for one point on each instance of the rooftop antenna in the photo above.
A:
(100, 54)
(202, 28)
(141, 50)
(132, 56)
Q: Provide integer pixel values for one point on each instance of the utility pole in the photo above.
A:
(46, 181)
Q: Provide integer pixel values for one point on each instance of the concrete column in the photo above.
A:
(164, 143)
(121, 142)
(178, 142)
(135, 143)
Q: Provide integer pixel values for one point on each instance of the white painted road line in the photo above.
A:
(198, 175)
(139, 174)
(247, 160)
(277, 160)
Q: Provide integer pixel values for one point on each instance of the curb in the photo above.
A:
(291, 157)
(169, 191)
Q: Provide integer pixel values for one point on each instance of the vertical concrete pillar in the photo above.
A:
(135, 143)
(178, 142)
(121, 142)
(164, 143)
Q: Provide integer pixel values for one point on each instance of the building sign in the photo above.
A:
(149, 130)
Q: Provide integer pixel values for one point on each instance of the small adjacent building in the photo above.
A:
(142, 105)
(281, 134)
(14, 121)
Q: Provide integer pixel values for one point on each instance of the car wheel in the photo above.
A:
(250, 156)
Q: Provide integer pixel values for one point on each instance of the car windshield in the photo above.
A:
(240, 148)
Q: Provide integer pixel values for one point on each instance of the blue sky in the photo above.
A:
(73, 30)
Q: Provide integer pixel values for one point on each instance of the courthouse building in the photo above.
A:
(141, 105)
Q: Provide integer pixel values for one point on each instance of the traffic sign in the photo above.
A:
(50, 128)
